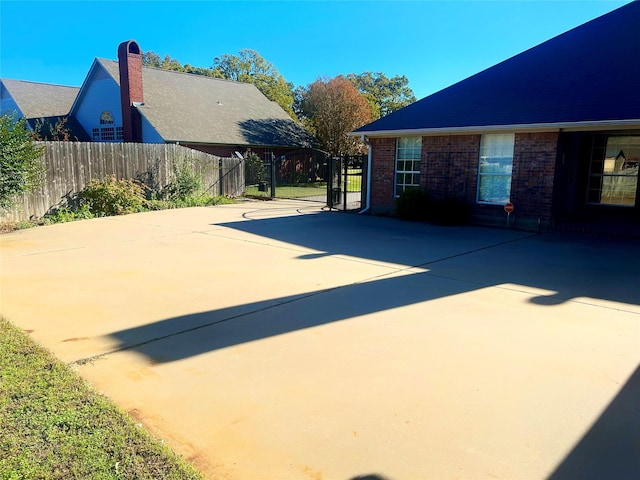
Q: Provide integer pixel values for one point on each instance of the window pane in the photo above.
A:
(495, 168)
(495, 189)
(108, 133)
(614, 172)
(408, 154)
(496, 165)
(106, 118)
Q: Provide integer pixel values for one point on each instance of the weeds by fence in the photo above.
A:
(70, 166)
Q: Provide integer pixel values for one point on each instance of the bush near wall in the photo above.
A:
(416, 204)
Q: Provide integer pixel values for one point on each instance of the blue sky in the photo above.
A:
(433, 43)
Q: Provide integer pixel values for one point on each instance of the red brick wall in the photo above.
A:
(534, 163)
(449, 168)
(382, 172)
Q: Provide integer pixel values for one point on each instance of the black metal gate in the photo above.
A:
(346, 188)
(310, 175)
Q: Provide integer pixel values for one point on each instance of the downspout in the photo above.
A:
(368, 144)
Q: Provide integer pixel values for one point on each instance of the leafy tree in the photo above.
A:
(249, 67)
(332, 108)
(57, 131)
(385, 95)
(152, 59)
(20, 169)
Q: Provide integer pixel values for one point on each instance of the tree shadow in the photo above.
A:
(449, 261)
(439, 262)
(611, 447)
(276, 132)
(260, 320)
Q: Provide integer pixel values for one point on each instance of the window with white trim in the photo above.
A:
(408, 153)
(107, 132)
(613, 174)
(106, 118)
(495, 168)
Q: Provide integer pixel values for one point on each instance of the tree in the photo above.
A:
(20, 169)
(152, 59)
(249, 67)
(332, 108)
(58, 131)
(385, 95)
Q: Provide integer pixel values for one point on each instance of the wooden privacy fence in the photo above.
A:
(69, 166)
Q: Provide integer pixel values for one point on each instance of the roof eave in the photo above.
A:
(533, 127)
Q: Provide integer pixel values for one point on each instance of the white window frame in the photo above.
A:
(408, 154)
(499, 147)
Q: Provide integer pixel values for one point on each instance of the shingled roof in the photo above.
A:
(38, 100)
(588, 76)
(192, 108)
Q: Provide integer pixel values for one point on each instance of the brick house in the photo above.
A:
(124, 101)
(554, 130)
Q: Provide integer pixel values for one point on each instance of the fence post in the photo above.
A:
(346, 180)
(220, 176)
(273, 176)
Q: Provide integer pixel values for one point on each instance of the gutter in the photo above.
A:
(524, 127)
(366, 142)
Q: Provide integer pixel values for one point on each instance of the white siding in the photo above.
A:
(149, 134)
(102, 93)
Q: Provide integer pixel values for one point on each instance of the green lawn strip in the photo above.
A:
(54, 426)
(292, 191)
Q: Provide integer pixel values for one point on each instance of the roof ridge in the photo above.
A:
(235, 82)
(38, 83)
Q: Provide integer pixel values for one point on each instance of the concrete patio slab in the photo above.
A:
(271, 340)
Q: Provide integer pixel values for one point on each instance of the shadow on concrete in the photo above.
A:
(611, 447)
(260, 320)
(373, 476)
(453, 260)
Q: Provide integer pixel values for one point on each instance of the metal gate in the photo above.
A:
(310, 175)
(346, 188)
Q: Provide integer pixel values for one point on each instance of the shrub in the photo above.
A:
(413, 204)
(20, 166)
(185, 182)
(112, 197)
(63, 215)
(449, 211)
(255, 170)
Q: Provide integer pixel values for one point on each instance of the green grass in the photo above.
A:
(54, 426)
(292, 191)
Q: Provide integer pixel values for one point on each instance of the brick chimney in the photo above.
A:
(130, 63)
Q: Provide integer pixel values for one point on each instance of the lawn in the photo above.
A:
(306, 190)
(303, 190)
(54, 426)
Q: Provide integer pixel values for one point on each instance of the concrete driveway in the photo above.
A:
(277, 341)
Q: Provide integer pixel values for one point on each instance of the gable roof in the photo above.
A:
(197, 109)
(587, 76)
(39, 100)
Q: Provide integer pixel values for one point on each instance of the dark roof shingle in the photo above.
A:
(198, 109)
(39, 100)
